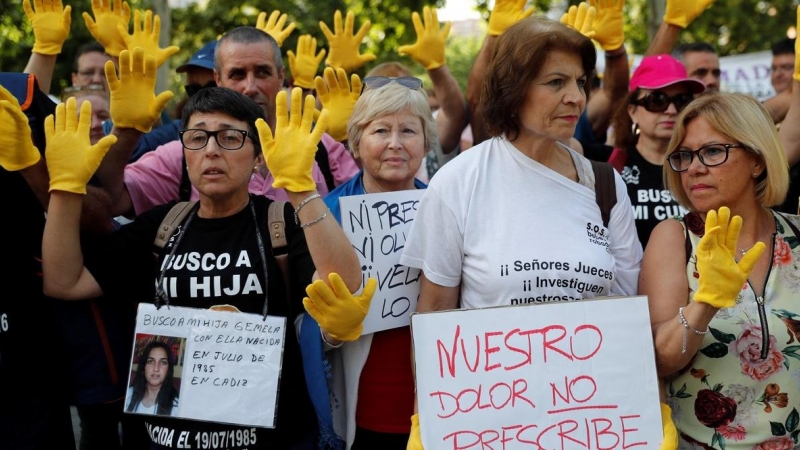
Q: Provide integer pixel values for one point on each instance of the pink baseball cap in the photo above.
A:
(659, 71)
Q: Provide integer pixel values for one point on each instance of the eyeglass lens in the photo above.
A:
(378, 82)
(659, 101)
(229, 139)
(710, 155)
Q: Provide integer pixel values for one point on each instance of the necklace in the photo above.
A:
(764, 233)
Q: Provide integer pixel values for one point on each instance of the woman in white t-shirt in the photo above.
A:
(515, 220)
(153, 391)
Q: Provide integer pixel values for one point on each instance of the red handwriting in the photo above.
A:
(493, 346)
(496, 397)
(587, 389)
(599, 433)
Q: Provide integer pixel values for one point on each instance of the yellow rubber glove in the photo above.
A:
(305, 64)
(50, 21)
(506, 13)
(274, 26)
(337, 311)
(581, 18)
(133, 103)
(103, 27)
(146, 28)
(796, 47)
(17, 151)
(344, 44)
(721, 277)
(339, 98)
(670, 441)
(415, 438)
(683, 12)
(608, 23)
(428, 51)
(290, 155)
(71, 159)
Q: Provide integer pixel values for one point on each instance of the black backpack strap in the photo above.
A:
(605, 189)
(324, 165)
(185, 188)
(172, 220)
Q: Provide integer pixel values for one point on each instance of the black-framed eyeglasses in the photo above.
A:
(709, 155)
(377, 82)
(229, 138)
(657, 102)
(192, 89)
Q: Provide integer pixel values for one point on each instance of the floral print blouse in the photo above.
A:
(742, 389)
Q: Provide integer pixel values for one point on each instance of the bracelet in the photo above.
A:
(687, 328)
(322, 335)
(318, 219)
(300, 206)
(619, 52)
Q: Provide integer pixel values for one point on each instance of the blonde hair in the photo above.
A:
(743, 119)
(390, 99)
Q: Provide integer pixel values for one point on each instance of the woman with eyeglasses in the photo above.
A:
(723, 305)
(658, 90)
(523, 195)
(221, 253)
(390, 131)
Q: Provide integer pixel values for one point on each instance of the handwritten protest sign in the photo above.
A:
(377, 226)
(229, 362)
(572, 375)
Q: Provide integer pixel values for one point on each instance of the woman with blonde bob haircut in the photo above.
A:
(390, 132)
(723, 281)
(732, 115)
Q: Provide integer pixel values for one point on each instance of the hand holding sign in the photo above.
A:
(338, 312)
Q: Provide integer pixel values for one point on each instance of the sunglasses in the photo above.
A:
(192, 89)
(378, 82)
(657, 102)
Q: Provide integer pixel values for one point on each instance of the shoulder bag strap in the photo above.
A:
(605, 189)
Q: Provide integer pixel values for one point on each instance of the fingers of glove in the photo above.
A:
(295, 113)
(446, 29)
(26, 6)
(369, 290)
(326, 31)
(90, 24)
(16, 114)
(261, 20)
(708, 241)
(723, 220)
(341, 80)
(281, 112)
(100, 149)
(330, 79)
(308, 113)
(8, 96)
(751, 257)
(126, 10)
(83, 122)
(111, 75)
(320, 55)
(711, 220)
(264, 133)
(322, 88)
(670, 432)
(338, 28)
(322, 295)
(363, 31)
(417, 21)
(312, 310)
(732, 234)
(125, 63)
(161, 101)
(321, 124)
(355, 85)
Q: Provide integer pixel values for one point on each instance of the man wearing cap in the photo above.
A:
(248, 61)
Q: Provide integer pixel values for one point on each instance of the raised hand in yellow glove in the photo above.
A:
(796, 46)
(506, 13)
(721, 277)
(71, 159)
(683, 12)
(670, 441)
(290, 155)
(415, 438)
(305, 63)
(133, 103)
(608, 23)
(275, 26)
(338, 98)
(103, 27)
(146, 28)
(344, 44)
(581, 18)
(16, 147)
(337, 311)
(50, 21)
(428, 51)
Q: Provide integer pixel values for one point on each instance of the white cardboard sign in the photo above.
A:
(559, 376)
(227, 363)
(377, 226)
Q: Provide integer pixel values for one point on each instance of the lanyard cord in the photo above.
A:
(161, 295)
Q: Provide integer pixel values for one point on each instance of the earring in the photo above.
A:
(255, 169)
(635, 129)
